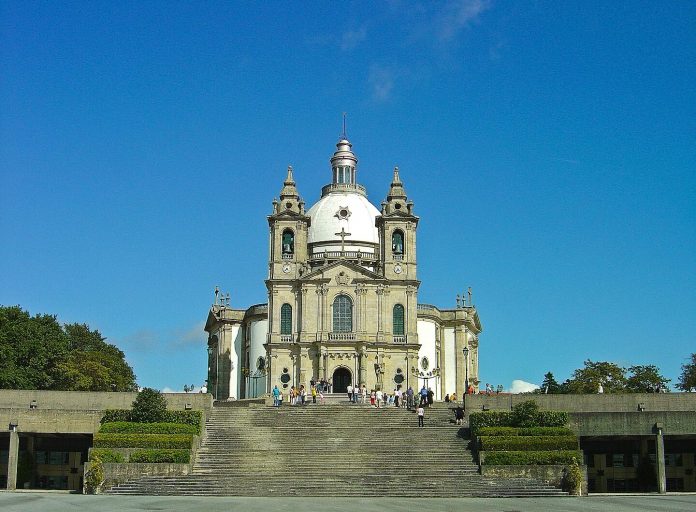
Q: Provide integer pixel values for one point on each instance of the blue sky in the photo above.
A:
(550, 149)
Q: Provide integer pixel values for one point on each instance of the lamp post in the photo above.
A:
(466, 373)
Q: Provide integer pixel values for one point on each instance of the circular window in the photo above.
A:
(425, 364)
(288, 205)
(398, 378)
(343, 213)
(285, 378)
(261, 363)
(397, 206)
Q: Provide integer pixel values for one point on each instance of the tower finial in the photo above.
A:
(343, 135)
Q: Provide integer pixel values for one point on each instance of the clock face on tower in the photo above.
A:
(286, 268)
(397, 269)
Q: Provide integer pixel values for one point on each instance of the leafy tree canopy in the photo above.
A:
(587, 380)
(550, 385)
(38, 353)
(687, 379)
(645, 379)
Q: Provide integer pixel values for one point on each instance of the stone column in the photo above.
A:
(459, 344)
(362, 371)
(13, 461)
(660, 456)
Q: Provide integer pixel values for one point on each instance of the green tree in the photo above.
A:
(645, 379)
(30, 348)
(588, 379)
(38, 353)
(149, 406)
(687, 379)
(93, 364)
(550, 385)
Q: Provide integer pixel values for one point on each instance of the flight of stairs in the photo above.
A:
(336, 449)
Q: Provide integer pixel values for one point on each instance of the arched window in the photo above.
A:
(288, 242)
(286, 319)
(398, 328)
(398, 242)
(342, 314)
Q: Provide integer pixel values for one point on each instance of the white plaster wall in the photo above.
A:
(257, 337)
(426, 337)
(450, 361)
(235, 359)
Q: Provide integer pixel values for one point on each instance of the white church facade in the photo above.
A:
(342, 301)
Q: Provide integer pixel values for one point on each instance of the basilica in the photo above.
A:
(342, 301)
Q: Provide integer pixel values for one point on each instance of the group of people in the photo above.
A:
(298, 395)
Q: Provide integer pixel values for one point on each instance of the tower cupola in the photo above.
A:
(344, 163)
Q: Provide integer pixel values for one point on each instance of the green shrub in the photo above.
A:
(116, 415)
(572, 478)
(528, 443)
(525, 414)
(194, 418)
(529, 431)
(161, 456)
(531, 458)
(94, 477)
(105, 455)
(149, 406)
(109, 440)
(126, 427)
(478, 420)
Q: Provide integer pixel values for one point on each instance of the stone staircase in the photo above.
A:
(336, 449)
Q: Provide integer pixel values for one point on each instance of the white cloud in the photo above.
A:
(381, 80)
(352, 38)
(194, 335)
(520, 386)
(458, 15)
(167, 389)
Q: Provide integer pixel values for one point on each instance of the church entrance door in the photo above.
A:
(341, 379)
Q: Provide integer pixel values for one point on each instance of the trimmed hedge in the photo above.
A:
(125, 427)
(539, 458)
(528, 443)
(528, 431)
(161, 456)
(194, 418)
(478, 420)
(105, 455)
(109, 440)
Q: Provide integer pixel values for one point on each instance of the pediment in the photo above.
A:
(342, 272)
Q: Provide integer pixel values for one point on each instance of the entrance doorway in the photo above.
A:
(341, 380)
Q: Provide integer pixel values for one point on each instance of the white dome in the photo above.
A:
(343, 210)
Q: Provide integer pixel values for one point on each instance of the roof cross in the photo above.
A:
(343, 236)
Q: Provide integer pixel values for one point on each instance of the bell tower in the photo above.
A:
(397, 234)
(288, 228)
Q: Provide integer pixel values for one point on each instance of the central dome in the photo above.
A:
(349, 211)
(343, 208)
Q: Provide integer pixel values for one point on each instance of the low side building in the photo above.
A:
(47, 434)
(631, 442)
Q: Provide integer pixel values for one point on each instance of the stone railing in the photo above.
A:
(342, 187)
(399, 339)
(288, 256)
(353, 255)
(398, 257)
(286, 338)
(342, 336)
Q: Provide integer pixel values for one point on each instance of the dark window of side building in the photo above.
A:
(342, 314)
(399, 320)
(286, 319)
(675, 484)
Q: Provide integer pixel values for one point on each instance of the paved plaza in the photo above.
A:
(63, 502)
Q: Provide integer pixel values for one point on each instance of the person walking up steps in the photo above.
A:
(421, 413)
